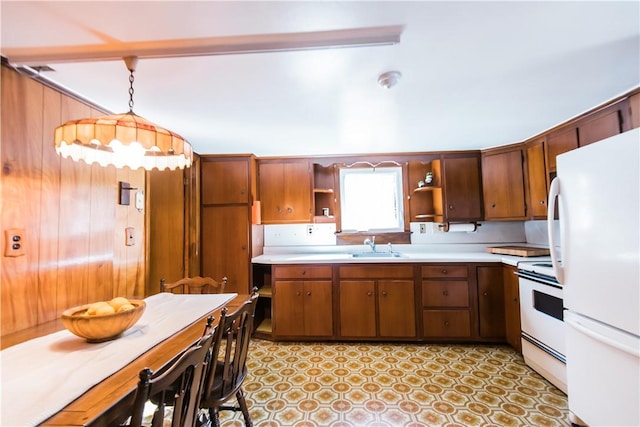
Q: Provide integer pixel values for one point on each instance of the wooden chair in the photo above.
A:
(178, 385)
(228, 368)
(195, 285)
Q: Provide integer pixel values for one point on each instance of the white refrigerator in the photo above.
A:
(597, 191)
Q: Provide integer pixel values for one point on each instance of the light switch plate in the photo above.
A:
(140, 200)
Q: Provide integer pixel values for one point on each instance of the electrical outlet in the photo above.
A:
(423, 228)
(14, 242)
(130, 236)
(309, 230)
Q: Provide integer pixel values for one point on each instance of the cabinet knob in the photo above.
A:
(493, 205)
(304, 272)
(515, 300)
(289, 210)
(445, 272)
(484, 293)
(279, 209)
(451, 207)
(309, 293)
(445, 293)
(542, 202)
(446, 323)
(384, 293)
(369, 293)
(297, 293)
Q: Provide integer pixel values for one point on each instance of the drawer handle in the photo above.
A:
(445, 293)
(384, 293)
(446, 323)
(309, 293)
(297, 293)
(451, 207)
(445, 272)
(369, 293)
(304, 272)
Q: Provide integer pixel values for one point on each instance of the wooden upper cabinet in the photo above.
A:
(225, 181)
(503, 185)
(285, 191)
(537, 175)
(634, 111)
(602, 124)
(558, 142)
(454, 193)
(462, 190)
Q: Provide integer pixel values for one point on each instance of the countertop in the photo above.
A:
(407, 254)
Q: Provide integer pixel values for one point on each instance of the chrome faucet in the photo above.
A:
(371, 242)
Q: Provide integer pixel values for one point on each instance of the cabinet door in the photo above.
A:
(462, 189)
(288, 312)
(225, 245)
(396, 307)
(512, 307)
(285, 192)
(318, 308)
(225, 181)
(357, 308)
(537, 180)
(601, 125)
(491, 302)
(503, 185)
(634, 111)
(560, 142)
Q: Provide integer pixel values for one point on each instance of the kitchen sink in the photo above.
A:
(376, 255)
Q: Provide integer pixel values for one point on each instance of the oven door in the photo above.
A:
(543, 340)
(541, 311)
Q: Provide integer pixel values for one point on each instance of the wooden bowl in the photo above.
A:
(99, 328)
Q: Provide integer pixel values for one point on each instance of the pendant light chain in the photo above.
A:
(131, 78)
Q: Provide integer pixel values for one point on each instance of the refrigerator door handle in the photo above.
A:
(554, 192)
(575, 323)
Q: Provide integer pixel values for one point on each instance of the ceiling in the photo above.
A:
(474, 74)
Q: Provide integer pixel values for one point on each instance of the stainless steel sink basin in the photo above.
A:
(376, 255)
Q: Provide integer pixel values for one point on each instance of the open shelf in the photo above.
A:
(264, 327)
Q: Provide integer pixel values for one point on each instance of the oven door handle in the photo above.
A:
(575, 323)
(554, 194)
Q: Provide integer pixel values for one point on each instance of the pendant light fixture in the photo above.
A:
(123, 140)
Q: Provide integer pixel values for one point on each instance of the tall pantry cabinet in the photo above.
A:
(228, 193)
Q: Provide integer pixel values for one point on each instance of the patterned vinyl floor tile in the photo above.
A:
(410, 385)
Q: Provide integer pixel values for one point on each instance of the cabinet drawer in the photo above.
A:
(444, 271)
(302, 272)
(446, 323)
(372, 271)
(449, 293)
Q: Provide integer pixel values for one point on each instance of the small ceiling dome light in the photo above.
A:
(123, 139)
(389, 79)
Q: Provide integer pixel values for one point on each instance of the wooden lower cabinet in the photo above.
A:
(377, 302)
(512, 307)
(302, 302)
(457, 302)
(491, 302)
(446, 301)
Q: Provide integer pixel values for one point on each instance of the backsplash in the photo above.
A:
(324, 234)
(536, 232)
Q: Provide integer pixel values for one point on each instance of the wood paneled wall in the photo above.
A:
(75, 250)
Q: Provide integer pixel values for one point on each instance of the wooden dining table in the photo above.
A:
(104, 403)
